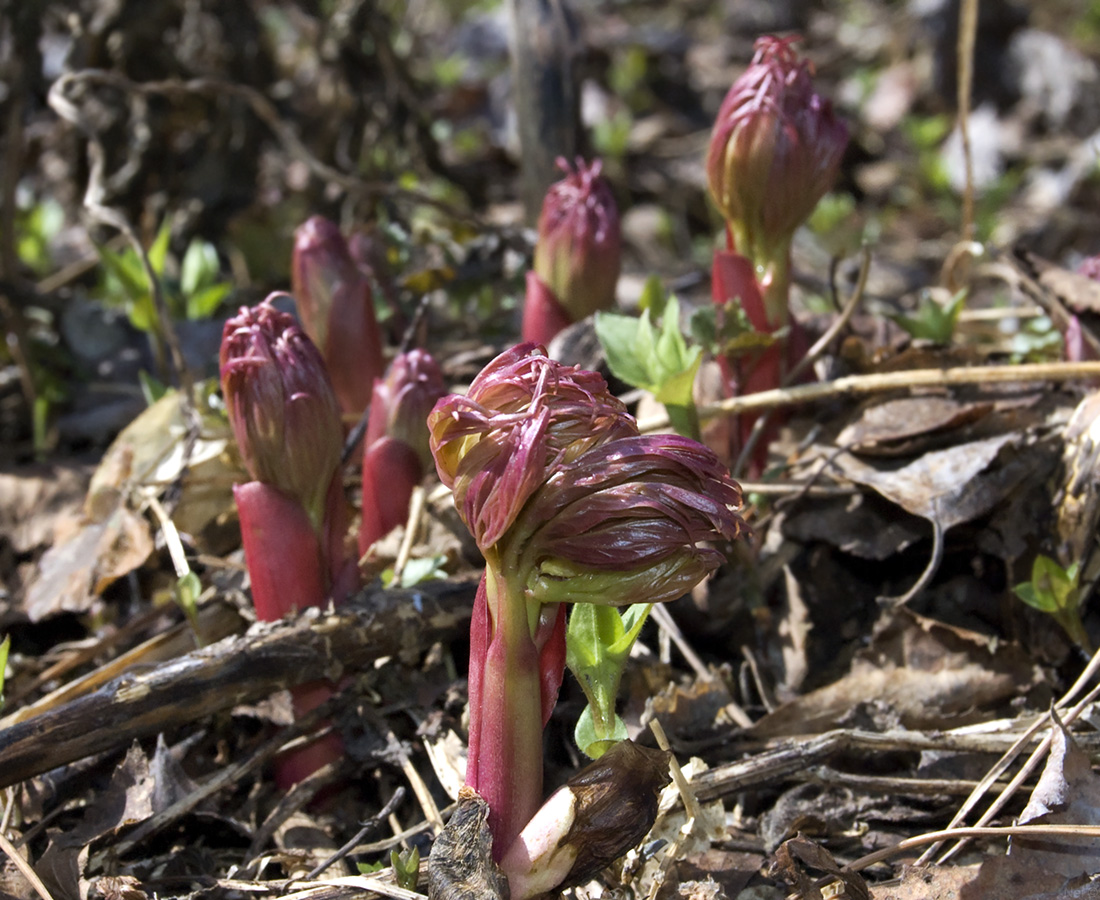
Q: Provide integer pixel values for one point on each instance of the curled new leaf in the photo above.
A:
(579, 251)
(523, 415)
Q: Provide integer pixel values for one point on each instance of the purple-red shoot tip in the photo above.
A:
(579, 251)
(775, 149)
(281, 405)
(334, 300)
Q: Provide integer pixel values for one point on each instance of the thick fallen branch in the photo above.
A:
(270, 657)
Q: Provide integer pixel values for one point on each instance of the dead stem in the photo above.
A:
(855, 385)
(968, 28)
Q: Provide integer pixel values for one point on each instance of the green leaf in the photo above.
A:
(654, 298)
(125, 281)
(618, 335)
(370, 868)
(203, 303)
(1043, 602)
(934, 321)
(1056, 591)
(417, 571)
(598, 640)
(654, 358)
(592, 743)
(158, 252)
(188, 591)
(406, 868)
(152, 389)
(200, 267)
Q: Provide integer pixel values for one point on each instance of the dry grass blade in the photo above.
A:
(932, 837)
(1032, 761)
(24, 867)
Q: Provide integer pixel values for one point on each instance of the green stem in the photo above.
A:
(773, 273)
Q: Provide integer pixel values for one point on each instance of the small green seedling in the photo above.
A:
(406, 868)
(196, 294)
(597, 645)
(934, 321)
(1057, 592)
(725, 330)
(416, 571)
(650, 353)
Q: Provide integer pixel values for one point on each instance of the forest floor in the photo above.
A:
(860, 676)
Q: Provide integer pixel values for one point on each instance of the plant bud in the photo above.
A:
(630, 521)
(579, 251)
(402, 401)
(281, 406)
(523, 414)
(774, 151)
(600, 813)
(334, 301)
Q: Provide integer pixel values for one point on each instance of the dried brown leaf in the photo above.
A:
(929, 674)
(928, 883)
(1067, 793)
(73, 573)
(889, 427)
(948, 486)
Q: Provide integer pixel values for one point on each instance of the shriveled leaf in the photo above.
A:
(890, 427)
(930, 675)
(948, 486)
(73, 573)
(1067, 793)
(127, 800)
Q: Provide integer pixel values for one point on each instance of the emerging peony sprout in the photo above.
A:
(568, 503)
(334, 301)
(578, 256)
(293, 514)
(774, 153)
(396, 453)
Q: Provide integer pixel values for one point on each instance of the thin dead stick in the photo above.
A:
(1024, 831)
(416, 512)
(267, 112)
(420, 789)
(968, 27)
(402, 836)
(24, 867)
(664, 619)
(368, 827)
(849, 310)
(929, 571)
(315, 644)
(94, 195)
(858, 385)
(1017, 748)
(230, 775)
(802, 488)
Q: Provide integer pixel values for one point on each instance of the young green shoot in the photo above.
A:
(650, 352)
(1056, 591)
